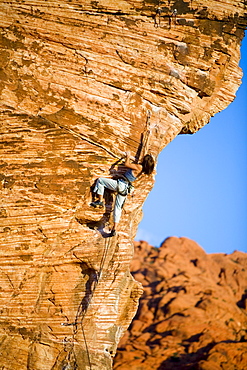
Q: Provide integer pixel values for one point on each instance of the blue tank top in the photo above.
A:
(129, 175)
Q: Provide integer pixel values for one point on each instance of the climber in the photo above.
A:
(122, 185)
(157, 17)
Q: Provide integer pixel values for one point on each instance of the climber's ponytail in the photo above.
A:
(147, 164)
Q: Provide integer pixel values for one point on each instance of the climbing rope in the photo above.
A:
(86, 138)
(87, 350)
(80, 136)
(103, 259)
(82, 311)
(86, 301)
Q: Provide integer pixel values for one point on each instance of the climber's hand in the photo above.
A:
(129, 157)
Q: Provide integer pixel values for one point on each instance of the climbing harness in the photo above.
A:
(129, 188)
(125, 191)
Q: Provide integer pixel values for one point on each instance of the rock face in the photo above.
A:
(193, 312)
(81, 82)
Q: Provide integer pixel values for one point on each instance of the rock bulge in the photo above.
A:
(80, 83)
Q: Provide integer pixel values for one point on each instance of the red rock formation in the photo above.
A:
(81, 82)
(193, 312)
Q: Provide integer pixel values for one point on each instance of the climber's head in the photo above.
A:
(147, 164)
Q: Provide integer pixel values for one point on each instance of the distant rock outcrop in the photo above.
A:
(81, 82)
(193, 312)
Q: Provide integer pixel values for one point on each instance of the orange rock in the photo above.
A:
(196, 318)
(81, 82)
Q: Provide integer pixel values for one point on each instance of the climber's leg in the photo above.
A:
(103, 183)
(119, 202)
(100, 186)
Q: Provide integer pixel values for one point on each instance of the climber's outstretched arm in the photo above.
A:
(129, 164)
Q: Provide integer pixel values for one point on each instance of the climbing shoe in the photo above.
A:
(112, 233)
(97, 204)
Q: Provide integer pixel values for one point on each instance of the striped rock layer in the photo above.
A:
(81, 82)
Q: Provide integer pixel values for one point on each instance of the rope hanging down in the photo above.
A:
(84, 305)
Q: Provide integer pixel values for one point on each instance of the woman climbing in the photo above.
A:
(122, 185)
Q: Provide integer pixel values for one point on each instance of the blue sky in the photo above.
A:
(201, 183)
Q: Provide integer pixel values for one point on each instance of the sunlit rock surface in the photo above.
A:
(193, 312)
(81, 82)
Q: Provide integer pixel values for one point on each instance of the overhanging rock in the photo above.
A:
(81, 82)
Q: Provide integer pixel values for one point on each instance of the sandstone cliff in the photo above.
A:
(81, 82)
(193, 312)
